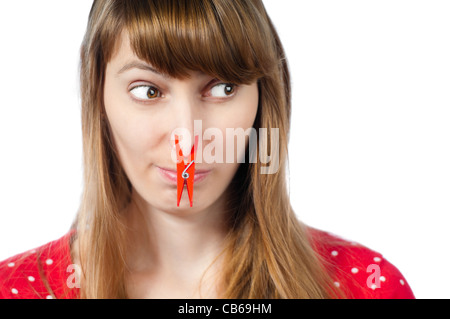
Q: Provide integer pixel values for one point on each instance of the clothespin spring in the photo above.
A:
(185, 175)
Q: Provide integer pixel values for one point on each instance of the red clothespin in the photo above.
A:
(185, 173)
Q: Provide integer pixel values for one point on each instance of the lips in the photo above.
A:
(171, 175)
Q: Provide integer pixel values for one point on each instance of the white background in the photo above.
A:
(370, 139)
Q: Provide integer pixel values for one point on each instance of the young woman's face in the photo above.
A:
(144, 109)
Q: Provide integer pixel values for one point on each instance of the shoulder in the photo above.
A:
(361, 272)
(38, 273)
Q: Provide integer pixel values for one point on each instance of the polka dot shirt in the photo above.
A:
(358, 271)
(47, 272)
(39, 273)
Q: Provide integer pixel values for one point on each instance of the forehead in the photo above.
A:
(124, 58)
(122, 50)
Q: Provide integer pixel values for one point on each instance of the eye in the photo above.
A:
(223, 90)
(144, 92)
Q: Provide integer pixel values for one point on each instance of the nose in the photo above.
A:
(184, 128)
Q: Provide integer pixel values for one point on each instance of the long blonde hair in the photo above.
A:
(268, 252)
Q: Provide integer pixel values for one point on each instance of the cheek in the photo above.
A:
(131, 132)
(238, 128)
(133, 135)
(244, 110)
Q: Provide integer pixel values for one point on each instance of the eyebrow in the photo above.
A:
(142, 66)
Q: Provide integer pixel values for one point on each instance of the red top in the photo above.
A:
(362, 273)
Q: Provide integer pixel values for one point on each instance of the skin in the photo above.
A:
(171, 247)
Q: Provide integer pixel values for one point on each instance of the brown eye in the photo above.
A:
(152, 92)
(145, 92)
(229, 89)
(223, 90)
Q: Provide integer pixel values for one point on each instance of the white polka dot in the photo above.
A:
(334, 253)
(376, 259)
(373, 286)
(402, 282)
(337, 284)
(355, 270)
(11, 264)
(31, 278)
(382, 278)
(14, 291)
(49, 261)
(49, 297)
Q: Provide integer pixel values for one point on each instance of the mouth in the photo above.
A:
(170, 175)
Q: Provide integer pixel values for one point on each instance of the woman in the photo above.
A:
(149, 68)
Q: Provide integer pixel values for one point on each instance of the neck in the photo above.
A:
(178, 243)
